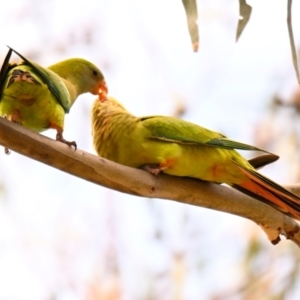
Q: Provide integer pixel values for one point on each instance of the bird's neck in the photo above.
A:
(110, 123)
(74, 81)
(109, 111)
(72, 90)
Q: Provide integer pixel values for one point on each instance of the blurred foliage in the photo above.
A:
(279, 130)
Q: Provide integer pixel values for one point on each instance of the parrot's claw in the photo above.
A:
(6, 150)
(60, 138)
(14, 117)
(154, 169)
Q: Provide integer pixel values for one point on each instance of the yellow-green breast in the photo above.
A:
(121, 137)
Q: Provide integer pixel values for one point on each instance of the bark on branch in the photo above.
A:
(137, 182)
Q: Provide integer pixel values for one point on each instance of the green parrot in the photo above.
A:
(180, 148)
(38, 98)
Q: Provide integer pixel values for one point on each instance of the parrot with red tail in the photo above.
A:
(180, 148)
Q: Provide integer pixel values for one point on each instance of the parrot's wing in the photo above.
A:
(262, 160)
(180, 131)
(4, 70)
(52, 80)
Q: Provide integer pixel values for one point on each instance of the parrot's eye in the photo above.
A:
(95, 73)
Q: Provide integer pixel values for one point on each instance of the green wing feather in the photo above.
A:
(4, 70)
(180, 131)
(52, 80)
(262, 160)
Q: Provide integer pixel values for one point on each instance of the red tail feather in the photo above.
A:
(269, 192)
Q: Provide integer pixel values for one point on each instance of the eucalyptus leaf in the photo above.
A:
(245, 13)
(190, 7)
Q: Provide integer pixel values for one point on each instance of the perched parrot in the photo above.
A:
(38, 97)
(180, 148)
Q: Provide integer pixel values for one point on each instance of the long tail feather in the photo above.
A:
(269, 192)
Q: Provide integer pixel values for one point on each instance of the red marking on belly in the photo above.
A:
(216, 170)
(54, 126)
(167, 164)
(27, 101)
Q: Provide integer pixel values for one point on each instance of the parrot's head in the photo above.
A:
(84, 75)
(92, 79)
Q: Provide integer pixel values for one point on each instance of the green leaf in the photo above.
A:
(245, 13)
(291, 37)
(190, 7)
(4, 69)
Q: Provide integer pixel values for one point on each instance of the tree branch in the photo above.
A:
(140, 183)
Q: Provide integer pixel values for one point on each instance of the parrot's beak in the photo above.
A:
(99, 88)
(102, 91)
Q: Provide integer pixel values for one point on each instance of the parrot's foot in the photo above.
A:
(59, 137)
(14, 117)
(154, 169)
(6, 150)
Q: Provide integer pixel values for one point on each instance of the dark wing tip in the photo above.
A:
(263, 160)
(4, 70)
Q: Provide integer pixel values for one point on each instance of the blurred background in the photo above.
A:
(62, 238)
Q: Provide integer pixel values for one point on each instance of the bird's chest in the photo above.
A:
(34, 105)
(118, 146)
